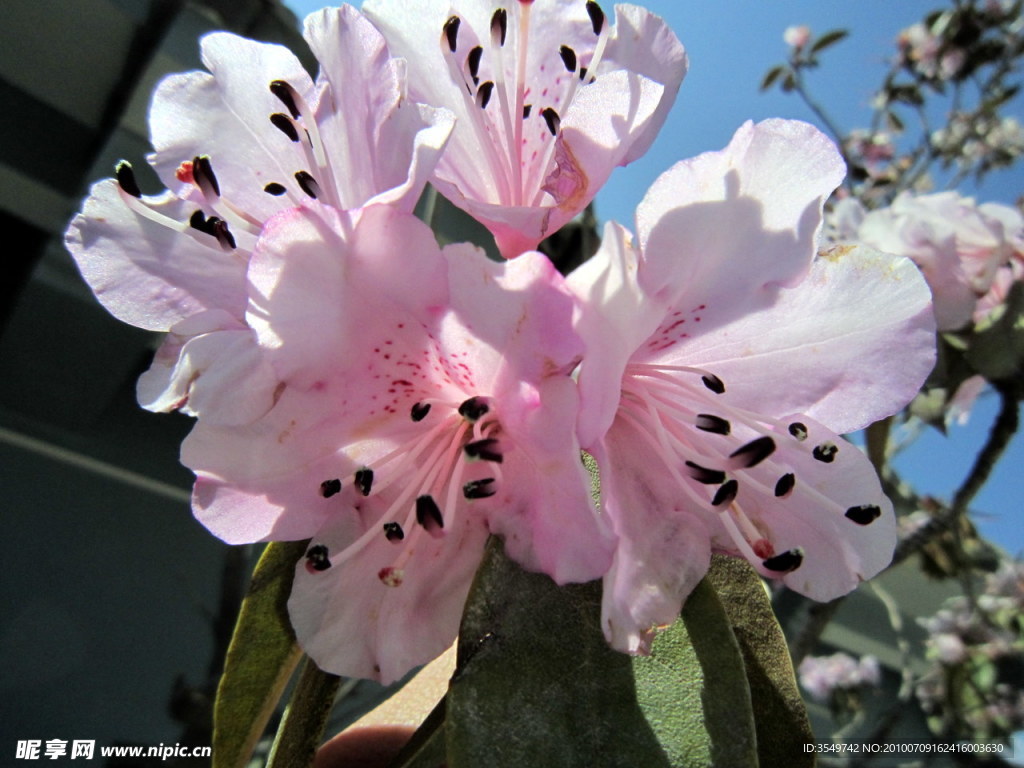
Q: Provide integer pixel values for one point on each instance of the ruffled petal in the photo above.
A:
(380, 146)
(663, 550)
(722, 230)
(832, 529)
(850, 344)
(226, 115)
(614, 319)
(368, 617)
(645, 44)
(147, 268)
(210, 365)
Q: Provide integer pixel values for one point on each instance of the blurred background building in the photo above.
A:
(110, 590)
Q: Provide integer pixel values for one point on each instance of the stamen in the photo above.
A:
(483, 449)
(126, 178)
(275, 189)
(726, 493)
(798, 430)
(568, 57)
(754, 452)
(286, 94)
(826, 452)
(419, 411)
(552, 119)
(198, 221)
(451, 32)
(428, 514)
(483, 94)
(785, 485)
(786, 562)
(473, 60)
(479, 489)
(206, 180)
(716, 424)
(330, 487)
(308, 184)
(526, 110)
(865, 514)
(713, 383)
(391, 577)
(705, 475)
(473, 408)
(393, 532)
(317, 559)
(364, 480)
(596, 16)
(221, 232)
(285, 125)
(499, 27)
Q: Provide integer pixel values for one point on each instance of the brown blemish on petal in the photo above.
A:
(567, 183)
(836, 252)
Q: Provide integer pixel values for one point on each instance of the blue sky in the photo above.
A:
(731, 43)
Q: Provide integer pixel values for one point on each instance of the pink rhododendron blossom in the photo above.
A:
(970, 254)
(723, 361)
(549, 97)
(253, 136)
(797, 36)
(425, 402)
(821, 676)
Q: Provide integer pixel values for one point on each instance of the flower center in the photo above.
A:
(422, 482)
(523, 125)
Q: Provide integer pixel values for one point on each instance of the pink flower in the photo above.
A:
(549, 98)
(970, 254)
(821, 676)
(797, 36)
(425, 401)
(723, 360)
(254, 136)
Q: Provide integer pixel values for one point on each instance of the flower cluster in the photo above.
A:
(976, 650)
(823, 676)
(396, 402)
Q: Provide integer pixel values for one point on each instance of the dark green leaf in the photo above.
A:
(537, 684)
(693, 688)
(829, 38)
(779, 714)
(788, 82)
(452, 224)
(771, 76)
(302, 727)
(996, 349)
(260, 660)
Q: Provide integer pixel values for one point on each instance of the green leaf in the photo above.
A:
(302, 727)
(779, 713)
(771, 76)
(537, 684)
(829, 38)
(996, 348)
(453, 225)
(693, 688)
(260, 660)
